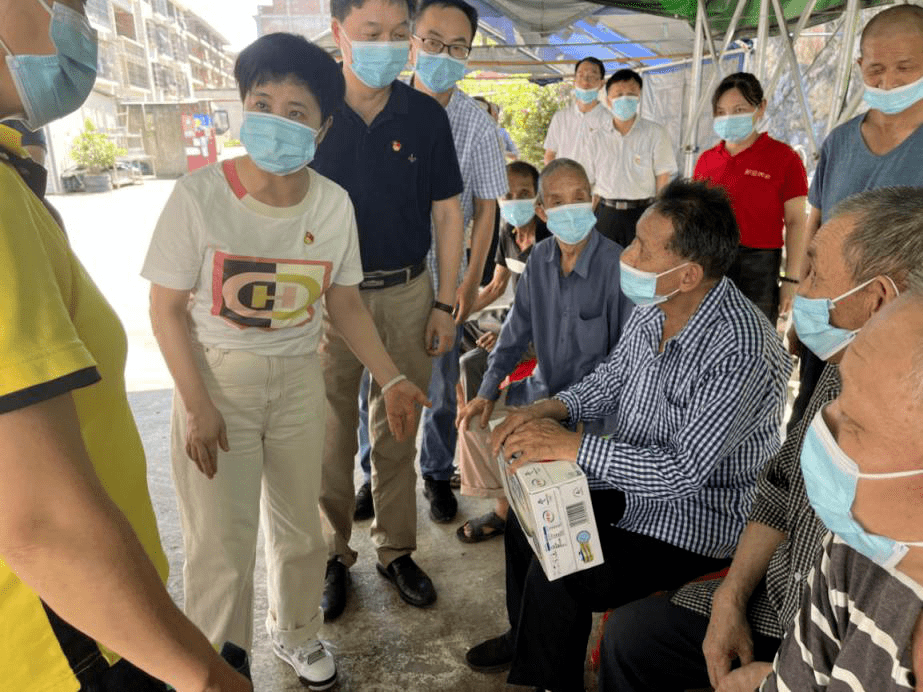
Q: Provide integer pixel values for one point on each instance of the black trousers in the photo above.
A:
(551, 620)
(618, 224)
(756, 273)
(122, 677)
(652, 645)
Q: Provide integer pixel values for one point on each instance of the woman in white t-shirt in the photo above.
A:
(240, 257)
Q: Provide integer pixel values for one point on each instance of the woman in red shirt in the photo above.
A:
(767, 185)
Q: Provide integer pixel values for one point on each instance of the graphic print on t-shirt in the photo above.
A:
(267, 293)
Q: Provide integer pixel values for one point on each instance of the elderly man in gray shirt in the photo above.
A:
(569, 306)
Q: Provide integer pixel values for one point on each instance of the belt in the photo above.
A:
(626, 203)
(386, 279)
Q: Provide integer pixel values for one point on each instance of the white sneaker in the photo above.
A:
(312, 662)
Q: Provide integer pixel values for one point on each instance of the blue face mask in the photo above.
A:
(625, 107)
(892, 101)
(811, 317)
(517, 212)
(640, 287)
(277, 145)
(378, 63)
(733, 128)
(439, 72)
(51, 86)
(571, 223)
(586, 95)
(830, 479)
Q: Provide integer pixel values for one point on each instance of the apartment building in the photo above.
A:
(306, 17)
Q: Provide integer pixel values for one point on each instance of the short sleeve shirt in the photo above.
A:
(571, 132)
(58, 335)
(393, 169)
(510, 256)
(759, 181)
(847, 166)
(256, 272)
(626, 166)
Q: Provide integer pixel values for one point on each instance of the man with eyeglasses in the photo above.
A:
(573, 127)
(391, 148)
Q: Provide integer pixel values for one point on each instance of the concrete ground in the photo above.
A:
(381, 643)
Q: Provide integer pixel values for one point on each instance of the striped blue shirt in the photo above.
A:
(694, 423)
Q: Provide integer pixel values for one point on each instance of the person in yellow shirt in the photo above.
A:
(81, 567)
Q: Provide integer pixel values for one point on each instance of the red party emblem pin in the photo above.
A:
(395, 145)
(308, 238)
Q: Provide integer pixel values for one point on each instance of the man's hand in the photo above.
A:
(477, 407)
(542, 439)
(746, 678)
(487, 341)
(401, 401)
(517, 418)
(727, 638)
(205, 432)
(786, 296)
(440, 332)
(794, 343)
(465, 297)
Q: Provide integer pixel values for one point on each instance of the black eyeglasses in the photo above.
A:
(435, 46)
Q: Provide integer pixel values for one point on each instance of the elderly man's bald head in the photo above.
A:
(897, 19)
(562, 173)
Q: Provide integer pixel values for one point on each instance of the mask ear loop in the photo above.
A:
(6, 48)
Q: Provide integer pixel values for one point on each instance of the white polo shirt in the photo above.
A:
(570, 130)
(626, 166)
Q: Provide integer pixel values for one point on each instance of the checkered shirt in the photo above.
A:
(782, 503)
(694, 423)
(481, 161)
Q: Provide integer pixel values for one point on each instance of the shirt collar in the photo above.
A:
(699, 321)
(11, 140)
(582, 267)
(397, 103)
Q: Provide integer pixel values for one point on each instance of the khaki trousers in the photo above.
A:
(478, 467)
(400, 314)
(274, 411)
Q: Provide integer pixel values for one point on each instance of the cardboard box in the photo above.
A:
(552, 502)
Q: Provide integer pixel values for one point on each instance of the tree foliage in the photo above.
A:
(94, 150)
(527, 110)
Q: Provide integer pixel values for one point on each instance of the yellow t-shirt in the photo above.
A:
(58, 334)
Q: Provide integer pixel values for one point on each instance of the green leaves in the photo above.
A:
(94, 150)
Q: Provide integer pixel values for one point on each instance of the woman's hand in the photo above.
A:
(205, 432)
(401, 400)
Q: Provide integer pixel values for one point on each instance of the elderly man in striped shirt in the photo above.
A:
(697, 384)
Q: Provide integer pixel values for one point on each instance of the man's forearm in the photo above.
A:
(482, 231)
(751, 561)
(550, 408)
(450, 238)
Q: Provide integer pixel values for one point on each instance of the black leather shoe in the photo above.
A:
(442, 503)
(334, 599)
(365, 508)
(493, 655)
(412, 583)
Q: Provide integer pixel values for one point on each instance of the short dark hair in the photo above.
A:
(524, 168)
(747, 84)
(704, 228)
(279, 56)
(470, 12)
(624, 75)
(339, 9)
(593, 61)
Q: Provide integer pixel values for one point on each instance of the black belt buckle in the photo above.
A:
(387, 279)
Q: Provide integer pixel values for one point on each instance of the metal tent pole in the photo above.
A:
(762, 40)
(845, 66)
(796, 77)
(799, 29)
(690, 140)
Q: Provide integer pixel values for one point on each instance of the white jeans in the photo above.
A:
(274, 409)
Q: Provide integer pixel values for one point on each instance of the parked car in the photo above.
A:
(125, 173)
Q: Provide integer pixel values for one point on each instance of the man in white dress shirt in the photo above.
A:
(572, 127)
(632, 158)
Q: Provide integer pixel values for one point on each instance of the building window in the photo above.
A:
(125, 24)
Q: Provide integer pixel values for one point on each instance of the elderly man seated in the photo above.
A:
(697, 386)
(568, 305)
(860, 624)
(858, 262)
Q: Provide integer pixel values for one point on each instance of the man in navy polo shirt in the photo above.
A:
(391, 148)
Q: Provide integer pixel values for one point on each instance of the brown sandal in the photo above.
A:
(491, 520)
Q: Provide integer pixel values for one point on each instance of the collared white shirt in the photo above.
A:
(571, 130)
(626, 166)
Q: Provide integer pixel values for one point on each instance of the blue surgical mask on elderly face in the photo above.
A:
(378, 63)
(893, 101)
(439, 72)
(733, 128)
(277, 145)
(586, 95)
(830, 479)
(571, 223)
(640, 287)
(811, 317)
(625, 107)
(51, 86)
(517, 212)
